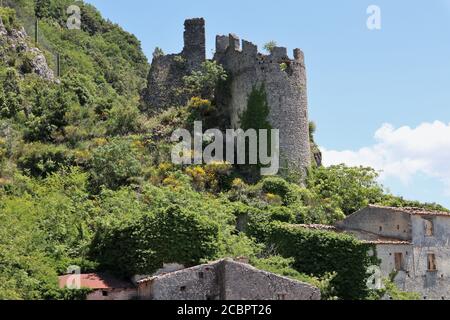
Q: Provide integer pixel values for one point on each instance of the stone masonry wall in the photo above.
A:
(165, 79)
(225, 280)
(243, 282)
(381, 222)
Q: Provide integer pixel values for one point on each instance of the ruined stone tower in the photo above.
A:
(166, 74)
(284, 80)
(194, 43)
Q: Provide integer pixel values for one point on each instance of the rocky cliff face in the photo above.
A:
(16, 51)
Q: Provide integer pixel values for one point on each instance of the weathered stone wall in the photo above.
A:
(225, 280)
(431, 284)
(286, 93)
(165, 79)
(243, 282)
(194, 50)
(379, 221)
(386, 253)
(373, 222)
(198, 283)
(113, 294)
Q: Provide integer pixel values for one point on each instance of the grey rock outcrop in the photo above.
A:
(17, 41)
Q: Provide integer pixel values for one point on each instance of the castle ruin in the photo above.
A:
(283, 78)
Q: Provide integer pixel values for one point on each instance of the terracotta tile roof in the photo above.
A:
(96, 281)
(317, 227)
(390, 242)
(413, 211)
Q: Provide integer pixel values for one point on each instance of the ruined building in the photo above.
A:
(220, 280)
(284, 80)
(224, 280)
(412, 244)
(165, 79)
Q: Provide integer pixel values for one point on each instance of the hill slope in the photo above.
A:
(86, 178)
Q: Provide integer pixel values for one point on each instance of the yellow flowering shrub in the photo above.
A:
(273, 199)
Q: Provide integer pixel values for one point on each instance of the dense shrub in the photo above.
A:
(352, 188)
(276, 185)
(41, 160)
(142, 246)
(114, 165)
(320, 252)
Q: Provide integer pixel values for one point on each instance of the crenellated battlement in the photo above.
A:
(231, 47)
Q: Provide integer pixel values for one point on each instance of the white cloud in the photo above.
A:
(403, 152)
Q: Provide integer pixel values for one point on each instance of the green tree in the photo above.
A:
(203, 83)
(42, 8)
(269, 46)
(351, 187)
(114, 165)
(257, 112)
(142, 246)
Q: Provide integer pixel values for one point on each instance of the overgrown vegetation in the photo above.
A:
(86, 178)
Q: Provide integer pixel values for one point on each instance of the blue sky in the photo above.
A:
(379, 97)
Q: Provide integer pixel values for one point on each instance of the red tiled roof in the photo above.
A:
(413, 211)
(95, 281)
(387, 241)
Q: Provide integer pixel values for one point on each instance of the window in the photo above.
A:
(429, 228)
(201, 275)
(432, 262)
(104, 293)
(399, 266)
(183, 288)
(381, 228)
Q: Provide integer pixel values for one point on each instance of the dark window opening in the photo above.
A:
(281, 296)
(201, 275)
(104, 293)
(399, 265)
(432, 262)
(183, 288)
(381, 228)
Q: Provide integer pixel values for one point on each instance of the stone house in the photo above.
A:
(103, 286)
(221, 280)
(224, 280)
(410, 242)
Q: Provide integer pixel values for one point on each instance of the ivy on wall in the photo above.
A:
(255, 117)
(319, 252)
(257, 112)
